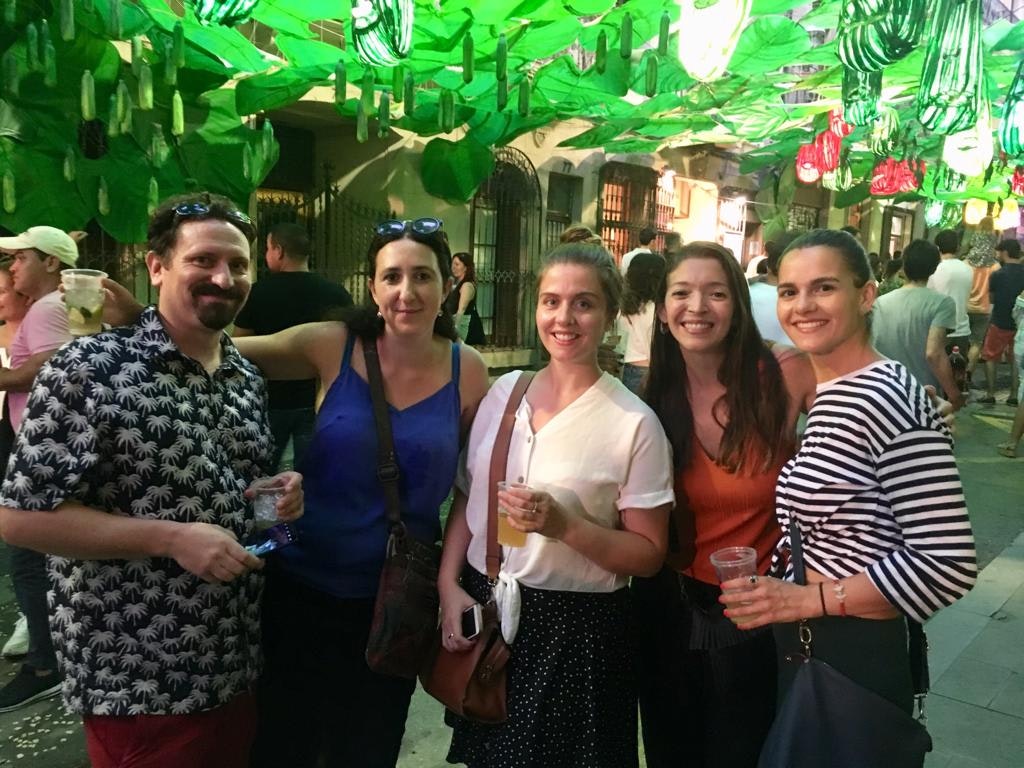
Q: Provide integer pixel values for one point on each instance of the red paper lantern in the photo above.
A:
(829, 146)
(1017, 182)
(891, 176)
(808, 164)
(837, 125)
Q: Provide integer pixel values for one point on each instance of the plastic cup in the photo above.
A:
(83, 297)
(734, 563)
(264, 505)
(507, 535)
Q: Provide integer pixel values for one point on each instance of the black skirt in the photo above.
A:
(571, 693)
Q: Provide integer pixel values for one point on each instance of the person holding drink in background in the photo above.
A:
(729, 404)
(874, 490)
(588, 483)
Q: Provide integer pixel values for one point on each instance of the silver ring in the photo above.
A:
(752, 579)
(451, 635)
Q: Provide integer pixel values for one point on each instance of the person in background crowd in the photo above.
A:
(577, 233)
(461, 301)
(635, 322)
(1004, 287)
(290, 295)
(953, 278)
(1009, 448)
(40, 253)
(981, 258)
(597, 465)
(130, 469)
(646, 237)
(893, 278)
(320, 704)
(896, 541)
(729, 404)
(910, 324)
(764, 297)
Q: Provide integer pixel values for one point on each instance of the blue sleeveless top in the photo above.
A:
(343, 533)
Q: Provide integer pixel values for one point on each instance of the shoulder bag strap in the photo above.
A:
(499, 465)
(387, 463)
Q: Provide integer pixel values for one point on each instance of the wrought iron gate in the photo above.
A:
(505, 232)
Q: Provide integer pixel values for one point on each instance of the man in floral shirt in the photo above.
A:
(130, 470)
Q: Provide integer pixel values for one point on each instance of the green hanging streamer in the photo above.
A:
(113, 122)
(145, 87)
(467, 58)
(10, 192)
(340, 82)
(103, 198)
(409, 97)
(178, 44)
(153, 197)
(501, 59)
(367, 90)
(1011, 131)
(32, 47)
(626, 37)
(397, 84)
(67, 20)
(650, 74)
(601, 54)
(663, 33)
(524, 97)
(383, 115)
(88, 96)
(70, 164)
(177, 114)
(362, 128)
(12, 77)
(860, 95)
(951, 77)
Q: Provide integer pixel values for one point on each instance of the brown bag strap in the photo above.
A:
(499, 465)
(387, 461)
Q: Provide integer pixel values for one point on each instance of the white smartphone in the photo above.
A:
(472, 621)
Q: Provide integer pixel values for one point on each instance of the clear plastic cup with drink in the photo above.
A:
(507, 535)
(734, 563)
(266, 494)
(83, 297)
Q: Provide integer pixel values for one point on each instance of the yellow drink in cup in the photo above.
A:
(507, 535)
(83, 297)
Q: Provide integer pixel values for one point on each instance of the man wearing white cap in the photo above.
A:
(39, 255)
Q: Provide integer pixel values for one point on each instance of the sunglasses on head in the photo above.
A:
(425, 226)
(188, 210)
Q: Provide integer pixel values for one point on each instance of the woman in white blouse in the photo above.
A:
(599, 474)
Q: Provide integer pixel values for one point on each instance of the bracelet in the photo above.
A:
(840, 592)
(821, 596)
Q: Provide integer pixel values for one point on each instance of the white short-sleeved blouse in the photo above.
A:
(603, 453)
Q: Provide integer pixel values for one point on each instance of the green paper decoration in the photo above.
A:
(382, 30)
(67, 20)
(88, 96)
(885, 131)
(226, 13)
(951, 77)
(1011, 131)
(706, 55)
(454, 170)
(933, 211)
(10, 192)
(876, 33)
(11, 74)
(860, 95)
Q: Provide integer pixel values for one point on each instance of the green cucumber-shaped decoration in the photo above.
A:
(1011, 132)
(247, 162)
(88, 96)
(367, 90)
(601, 54)
(158, 148)
(123, 100)
(103, 198)
(12, 77)
(409, 97)
(383, 115)
(145, 87)
(340, 82)
(706, 56)
(447, 111)
(113, 121)
(467, 57)
(501, 58)
(50, 70)
(951, 77)
(267, 139)
(650, 74)
(362, 129)
(524, 97)
(170, 66)
(626, 37)
(31, 47)
(67, 20)
(178, 44)
(177, 114)
(397, 84)
(875, 33)
(136, 54)
(115, 25)
(129, 117)
(501, 100)
(153, 196)
(860, 95)
(70, 164)
(45, 44)
(10, 192)
(664, 29)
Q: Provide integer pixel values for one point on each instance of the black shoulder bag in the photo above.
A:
(827, 719)
(405, 612)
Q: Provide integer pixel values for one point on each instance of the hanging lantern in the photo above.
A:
(227, 13)
(839, 180)
(947, 100)
(875, 33)
(1017, 181)
(837, 125)
(974, 211)
(1011, 132)
(1009, 215)
(934, 210)
(952, 215)
(808, 168)
(706, 56)
(860, 95)
(383, 31)
(892, 177)
(970, 152)
(885, 131)
(829, 146)
(948, 181)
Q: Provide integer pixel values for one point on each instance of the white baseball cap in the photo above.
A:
(48, 240)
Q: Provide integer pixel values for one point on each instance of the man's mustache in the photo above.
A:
(209, 289)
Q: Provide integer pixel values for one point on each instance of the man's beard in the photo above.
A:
(218, 315)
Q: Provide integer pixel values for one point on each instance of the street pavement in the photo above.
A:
(976, 709)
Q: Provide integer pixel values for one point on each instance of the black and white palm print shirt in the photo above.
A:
(124, 422)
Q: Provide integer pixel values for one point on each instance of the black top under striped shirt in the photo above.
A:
(874, 487)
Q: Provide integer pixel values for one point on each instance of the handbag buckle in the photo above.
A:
(805, 638)
(919, 699)
(387, 472)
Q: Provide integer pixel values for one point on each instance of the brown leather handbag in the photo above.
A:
(472, 683)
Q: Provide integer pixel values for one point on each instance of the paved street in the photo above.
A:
(977, 655)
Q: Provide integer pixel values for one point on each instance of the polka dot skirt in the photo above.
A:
(571, 688)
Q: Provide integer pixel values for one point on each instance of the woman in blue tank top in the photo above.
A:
(318, 699)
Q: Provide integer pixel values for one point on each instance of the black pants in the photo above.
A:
(699, 707)
(318, 701)
(295, 424)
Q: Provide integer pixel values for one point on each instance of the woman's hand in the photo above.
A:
(945, 409)
(533, 511)
(754, 601)
(290, 505)
(454, 600)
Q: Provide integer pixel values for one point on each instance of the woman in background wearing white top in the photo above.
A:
(874, 489)
(635, 322)
(598, 467)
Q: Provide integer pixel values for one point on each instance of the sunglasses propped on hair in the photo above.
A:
(188, 210)
(427, 225)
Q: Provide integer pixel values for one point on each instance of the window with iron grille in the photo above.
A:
(803, 217)
(564, 206)
(628, 201)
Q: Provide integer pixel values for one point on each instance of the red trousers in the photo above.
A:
(217, 738)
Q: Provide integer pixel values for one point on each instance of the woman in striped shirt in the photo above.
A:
(874, 488)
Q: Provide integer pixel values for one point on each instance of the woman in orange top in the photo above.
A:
(729, 404)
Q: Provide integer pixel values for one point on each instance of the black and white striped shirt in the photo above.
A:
(875, 488)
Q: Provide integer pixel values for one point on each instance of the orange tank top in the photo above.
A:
(722, 509)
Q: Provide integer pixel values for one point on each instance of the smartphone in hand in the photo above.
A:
(472, 621)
